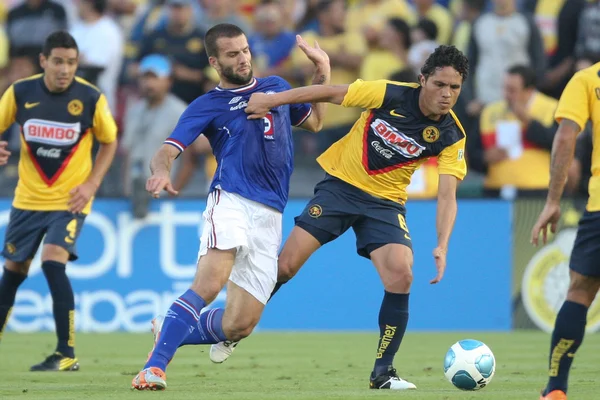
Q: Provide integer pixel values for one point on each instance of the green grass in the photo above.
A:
(286, 366)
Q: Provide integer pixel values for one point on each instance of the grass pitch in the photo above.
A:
(287, 366)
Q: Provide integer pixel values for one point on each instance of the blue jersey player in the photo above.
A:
(243, 218)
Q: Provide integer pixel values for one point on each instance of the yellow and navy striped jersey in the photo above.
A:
(57, 134)
(391, 139)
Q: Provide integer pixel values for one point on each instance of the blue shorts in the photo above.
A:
(585, 257)
(27, 228)
(338, 206)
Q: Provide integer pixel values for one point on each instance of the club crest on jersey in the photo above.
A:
(75, 107)
(268, 121)
(396, 140)
(315, 211)
(50, 132)
(431, 134)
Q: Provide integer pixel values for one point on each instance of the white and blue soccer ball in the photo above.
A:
(469, 365)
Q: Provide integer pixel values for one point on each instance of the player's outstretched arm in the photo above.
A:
(446, 215)
(563, 150)
(260, 103)
(160, 166)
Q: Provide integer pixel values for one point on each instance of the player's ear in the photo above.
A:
(422, 79)
(43, 60)
(214, 63)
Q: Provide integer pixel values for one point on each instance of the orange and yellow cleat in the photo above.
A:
(150, 379)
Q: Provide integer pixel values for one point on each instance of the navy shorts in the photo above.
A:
(585, 257)
(27, 228)
(338, 206)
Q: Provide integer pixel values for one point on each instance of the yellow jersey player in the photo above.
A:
(60, 116)
(579, 103)
(368, 170)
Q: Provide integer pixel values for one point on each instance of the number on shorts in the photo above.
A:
(72, 230)
(403, 226)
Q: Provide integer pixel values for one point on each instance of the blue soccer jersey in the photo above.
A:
(255, 157)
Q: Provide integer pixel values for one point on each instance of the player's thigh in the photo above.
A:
(330, 212)
(256, 270)
(22, 239)
(382, 235)
(62, 233)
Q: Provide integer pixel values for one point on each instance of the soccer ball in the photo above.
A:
(469, 365)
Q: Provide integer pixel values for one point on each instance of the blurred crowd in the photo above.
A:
(148, 57)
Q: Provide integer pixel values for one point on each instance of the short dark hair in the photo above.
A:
(446, 56)
(478, 5)
(401, 27)
(59, 40)
(99, 6)
(526, 73)
(220, 31)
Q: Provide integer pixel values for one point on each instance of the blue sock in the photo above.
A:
(569, 330)
(393, 318)
(180, 321)
(210, 328)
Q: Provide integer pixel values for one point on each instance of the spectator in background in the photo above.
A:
(588, 35)
(423, 38)
(101, 44)
(405, 75)
(392, 53)
(470, 10)
(29, 24)
(441, 17)
(272, 41)
(346, 50)
(147, 123)
(558, 21)
(517, 135)
(220, 12)
(500, 39)
(183, 41)
(368, 17)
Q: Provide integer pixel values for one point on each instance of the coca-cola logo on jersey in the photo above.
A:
(48, 153)
(51, 133)
(396, 140)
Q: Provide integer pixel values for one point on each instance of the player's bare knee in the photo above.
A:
(208, 290)
(285, 269)
(18, 267)
(398, 279)
(583, 289)
(236, 329)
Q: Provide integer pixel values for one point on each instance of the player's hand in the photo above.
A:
(439, 256)
(548, 218)
(80, 196)
(159, 182)
(314, 54)
(258, 106)
(4, 154)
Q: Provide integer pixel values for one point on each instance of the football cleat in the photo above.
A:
(150, 379)
(221, 351)
(57, 362)
(390, 380)
(554, 395)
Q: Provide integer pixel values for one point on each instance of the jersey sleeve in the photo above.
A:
(365, 94)
(8, 109)
(574, 103)
(192, 123)
(104, 126)
(451, 161)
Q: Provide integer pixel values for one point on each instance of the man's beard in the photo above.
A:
(234, 78)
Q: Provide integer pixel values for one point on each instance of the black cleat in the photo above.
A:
(57, 362)
(390, 380)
